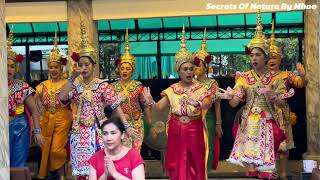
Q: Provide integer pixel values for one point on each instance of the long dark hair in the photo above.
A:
(116, 121)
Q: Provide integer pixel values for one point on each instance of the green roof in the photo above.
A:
(203, 21)
(103, 25)
(233, 26)
(150, 23)
(122, 24)
(176, 22)
(171, 47)
(289, 17)
(266, 18)
(294, 17)
(44, 27)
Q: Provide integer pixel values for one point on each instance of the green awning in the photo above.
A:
(220, 21)
(122, 24)
(150, 23)
(171, 47)
(234, 26)
(44, 27)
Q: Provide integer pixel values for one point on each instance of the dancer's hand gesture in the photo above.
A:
(291, 77)
(76, 71)
(301, 70)
(224, 94)
(193, 102)
(147, 96)
(131, 133)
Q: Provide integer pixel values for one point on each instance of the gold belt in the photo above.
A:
(185, 119)
(52, 110)
(87, 122)
(136, 124)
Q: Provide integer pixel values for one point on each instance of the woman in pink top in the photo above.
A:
(115, 161)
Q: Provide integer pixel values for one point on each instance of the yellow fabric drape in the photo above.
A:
(55, 128)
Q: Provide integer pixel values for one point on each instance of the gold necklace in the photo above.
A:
(125, 93)
(87, 93)
(53, 88)
(126, 85)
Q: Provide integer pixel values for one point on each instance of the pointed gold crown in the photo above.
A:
(259, 40)
(183, 55)
(274, 48)
(86, 48)
(55, 55)
(10, 53)
(202, 54)
(126, 57)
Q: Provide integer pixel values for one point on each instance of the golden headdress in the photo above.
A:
(259, 40)
(183, 55)
(126, 57)
(203, 54)
(274, 48)
(10, 53)
(55, 55)
(86, 48)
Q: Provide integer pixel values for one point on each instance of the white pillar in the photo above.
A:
(313, 76)
(74, 35)
(4, 116)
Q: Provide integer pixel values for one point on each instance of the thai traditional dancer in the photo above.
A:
(132, 92)
(186, 153)
(212, 116)
(55, 122)
(259, 136)
(20, 98)
(286, 118)
(91, 96)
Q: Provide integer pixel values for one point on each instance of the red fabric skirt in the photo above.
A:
(185, 156)
(216, 154)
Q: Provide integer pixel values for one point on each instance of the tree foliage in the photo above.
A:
(231, 63)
